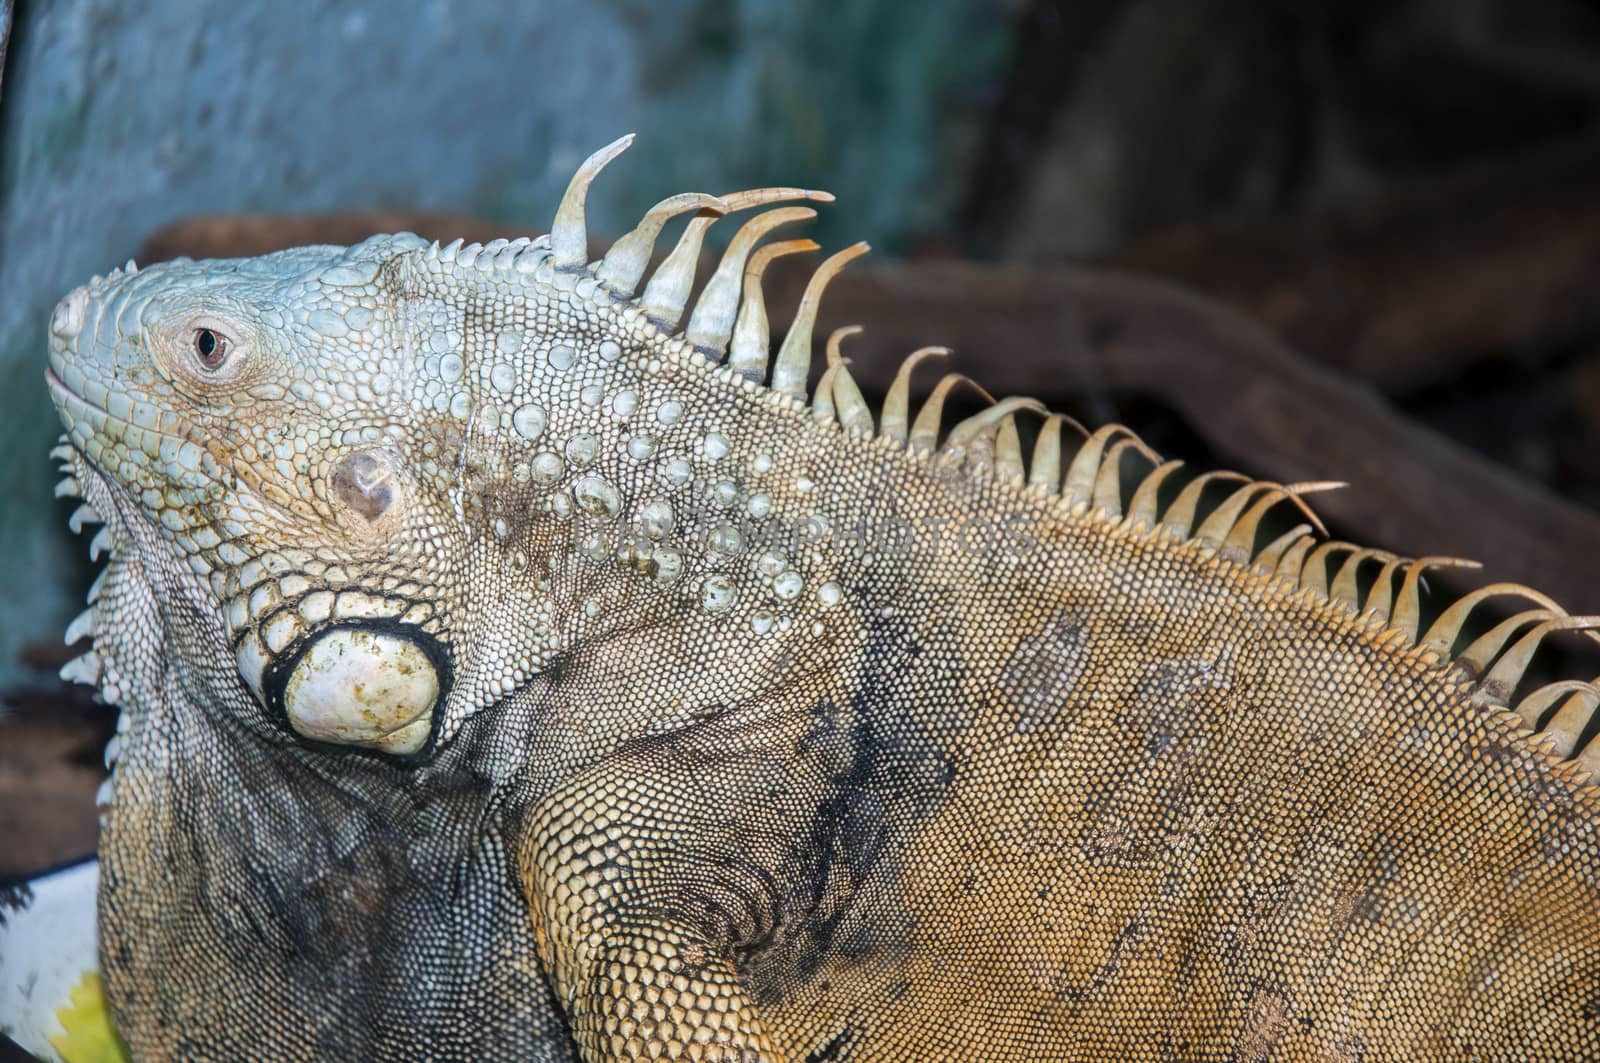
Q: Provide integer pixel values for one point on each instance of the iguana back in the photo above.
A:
(513, 668)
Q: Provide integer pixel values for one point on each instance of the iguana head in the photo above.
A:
(392, 482)
(256, 422)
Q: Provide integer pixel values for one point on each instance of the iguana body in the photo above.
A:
(512, 669)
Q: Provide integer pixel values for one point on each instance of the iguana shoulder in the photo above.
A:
(511, 663)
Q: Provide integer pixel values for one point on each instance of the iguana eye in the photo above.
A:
(211, 347)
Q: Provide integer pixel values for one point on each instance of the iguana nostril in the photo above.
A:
(67, 321)
(362, 482)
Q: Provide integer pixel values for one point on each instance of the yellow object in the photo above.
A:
(87, 1034)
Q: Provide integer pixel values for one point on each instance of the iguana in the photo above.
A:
(513, 668)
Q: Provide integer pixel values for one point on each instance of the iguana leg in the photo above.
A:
(643, 877)
(647, 991)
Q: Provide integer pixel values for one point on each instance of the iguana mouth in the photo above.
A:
(65, 396)
(74, 402)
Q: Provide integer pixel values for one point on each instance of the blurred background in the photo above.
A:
(1308, 239)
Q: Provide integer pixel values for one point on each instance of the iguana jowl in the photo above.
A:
(511, 668)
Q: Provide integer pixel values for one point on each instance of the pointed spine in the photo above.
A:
(1143, 507)
(668, 290)
(82, 627)
(84, 514)
(752, 337)
(1271, 555)
(1008, 453)
(893, 422)
(627, 259)
(1446, 629)
(84, 669)
(1380, 598)
(1474, 661)
(1533, 707)
(822, 408)
(924, 435)
(712, 322)
(1314, 576)
(1347, 581)
(1408, 605)
(855, 416)
(965, 432)
(1501, 683)
(101, 543)
(1292, 568)
(1566, 728)
(569, 233)
(793, 364)
(1078, 489)
(1044, 470)
(1106, 496)
(1179, 516)
(1230, 514)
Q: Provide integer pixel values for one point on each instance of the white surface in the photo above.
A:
(44, 950)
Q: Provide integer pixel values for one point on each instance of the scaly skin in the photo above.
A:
(503, 676)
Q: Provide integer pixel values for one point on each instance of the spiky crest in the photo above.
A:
(1561, 718)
